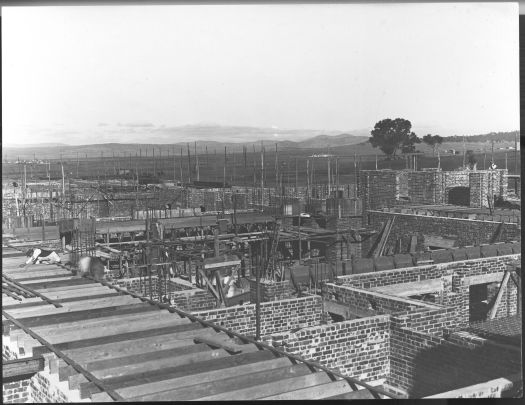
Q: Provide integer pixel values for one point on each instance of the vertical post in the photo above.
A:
(223, 181)
(276, 167)
(258, 299)
(308, 180)
(181, 158)
(154, 164)
(296, 178)
(516, 155)
(262, 174)
(233, 169)
(329, 188)
(189, 163)
(376, 161)
(43, 226)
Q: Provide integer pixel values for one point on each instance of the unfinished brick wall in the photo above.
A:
(383, 188)
(423, 365)
(271, 290)
(182, 294)
(276, 316)
(456, 277)
(358, 348)
(465, 232)
(192, 300)
(377, 188)
(464, 268)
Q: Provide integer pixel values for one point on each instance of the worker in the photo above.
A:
(38, 255)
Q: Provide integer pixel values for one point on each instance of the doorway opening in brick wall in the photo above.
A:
(459, 196)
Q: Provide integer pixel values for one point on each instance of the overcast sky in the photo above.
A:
(85, 74)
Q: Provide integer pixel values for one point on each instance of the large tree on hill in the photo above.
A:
(393, 135)
(434, 141)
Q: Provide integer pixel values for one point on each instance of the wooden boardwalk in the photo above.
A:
(114, 345)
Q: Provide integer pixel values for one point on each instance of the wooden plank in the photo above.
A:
(347, 311)
(136, 326)
(88, 342)
(72, 306)
(57, 280)
(358, 394)
(70, 281)
(197, 383)
(88, 314)
(51, 274)
(85, 325)
(219, 345)
(413, 244)
(145, 356)
(189, 370)
(503, 286)
(412, 288)
(158, 364)
(270, 389)
(129, 348)
(317, 391)
(12, 369)
(224, 385)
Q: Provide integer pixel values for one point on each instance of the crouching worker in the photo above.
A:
(40, 255)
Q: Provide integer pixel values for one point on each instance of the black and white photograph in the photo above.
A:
(261, 201)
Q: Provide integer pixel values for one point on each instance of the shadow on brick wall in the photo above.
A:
(448, 367)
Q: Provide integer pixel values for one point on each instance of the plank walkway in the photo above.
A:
(114, 345)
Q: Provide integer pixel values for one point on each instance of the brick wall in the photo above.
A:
(464, 268)
(423, 365)
(276, 316)
(455, 280)
(42, 387)
(181, 293)
(465, 232)
(16, 391)
(192, 300)
(358, 348)
(383, 188)
(271, 290)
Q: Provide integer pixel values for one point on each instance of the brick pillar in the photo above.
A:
(478, 182)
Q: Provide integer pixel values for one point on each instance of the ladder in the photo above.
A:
(272, 271)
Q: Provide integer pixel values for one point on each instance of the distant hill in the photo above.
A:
(46, 151)
(495, 136)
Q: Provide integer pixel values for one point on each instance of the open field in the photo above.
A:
(292, 165)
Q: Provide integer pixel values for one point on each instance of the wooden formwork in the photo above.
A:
(108, 344)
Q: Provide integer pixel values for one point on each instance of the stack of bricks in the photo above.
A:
(270, 290)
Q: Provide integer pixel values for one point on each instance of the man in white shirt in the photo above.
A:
(40, 255)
